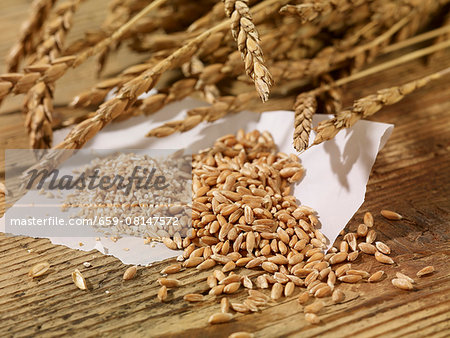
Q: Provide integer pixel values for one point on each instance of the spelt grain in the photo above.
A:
(401, 275)
(350, 278)
(338, 296)
(241, 334)
(376, 276)
(368, 219)
(314, 307)
(224, 305)
(312, 318)
(193, 297)
(303, 298)
(383, 248)
(39, 269)
(425, 271)
(130, 273)
(402, 283)
(169, 282)
(173, 268)
(277, 291)
(79, 280)
(383, 258)
(391, 215)
(242, 308)
(218, 318)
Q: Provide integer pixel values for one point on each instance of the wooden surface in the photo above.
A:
(411, 176)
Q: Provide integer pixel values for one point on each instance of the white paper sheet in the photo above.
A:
(337, 171)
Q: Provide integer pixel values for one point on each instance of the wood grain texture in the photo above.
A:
(410, 176)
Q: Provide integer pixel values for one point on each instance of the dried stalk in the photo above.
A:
(49, 73)
(247, 38)
(383, 66)
(305, 106)
(31, 28)
(369, 105)
(38, 105)
(132, 89)
(222, 107)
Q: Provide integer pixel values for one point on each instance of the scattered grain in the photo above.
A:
(402, 283)
(218, 318)
(391, 215)
(39, 269)
(79, 280)
(425, 271)
(130, 273)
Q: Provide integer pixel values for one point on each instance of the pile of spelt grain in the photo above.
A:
(254, 234)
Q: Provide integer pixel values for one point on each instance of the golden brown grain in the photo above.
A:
(350, 278)
(238, 307)
(425, 271)
(173, 268)
(303, 298)
(402, 283)
(277, 291)
(162, 293)
(312, 318)
(338, 296)
(79, 280)
(193, 297)
(130, 273)
(218, 318)
(39, 269)
(169, 282)
(368, 219)
(232, 287)
(392, 215)
(224, 305)
(383, 258)
(314, 307)
(367, 248)
(376, 276)
(383, 248)
(241, 334)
